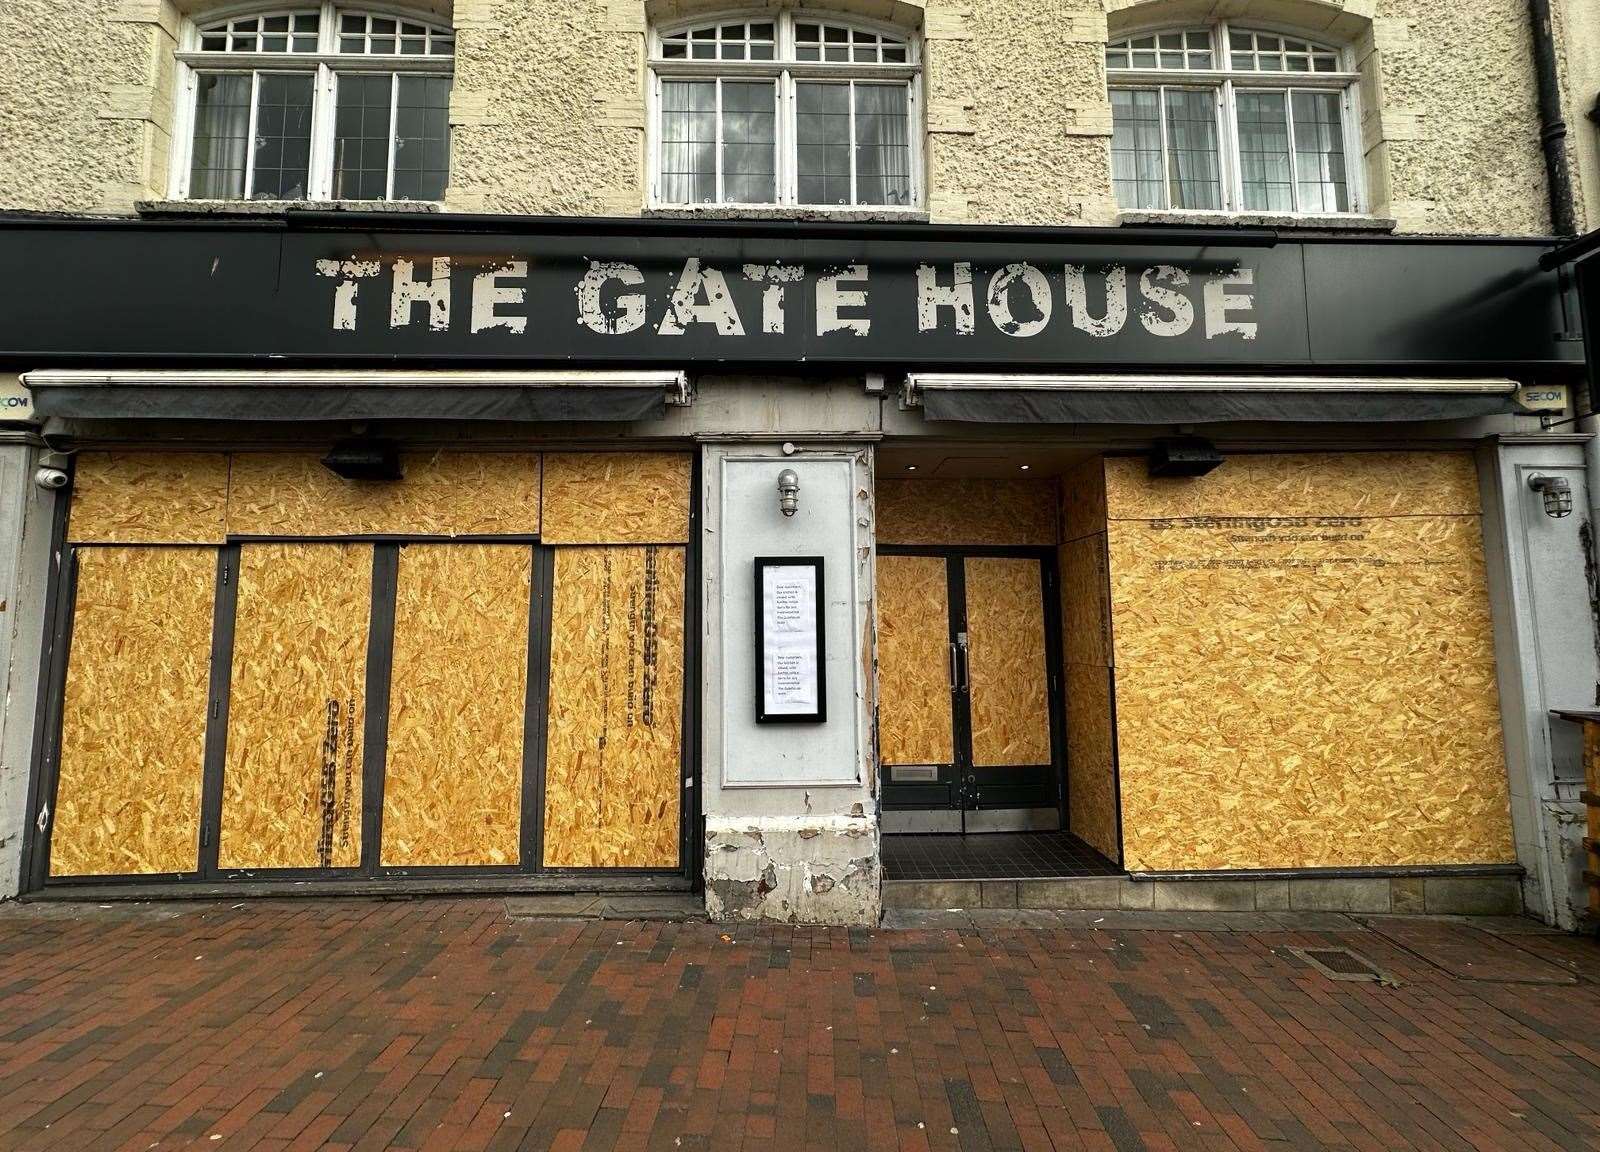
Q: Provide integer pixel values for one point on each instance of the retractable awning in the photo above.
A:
(289, 395)
(1004, 398)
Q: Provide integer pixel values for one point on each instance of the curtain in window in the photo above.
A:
(883, 145)
(1320, 176)
(1194, 175)
(1136, 148)
(689, 141)
(1264, 151)
(221, 135)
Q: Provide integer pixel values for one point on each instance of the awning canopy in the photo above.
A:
(288, 395)
(1070, 399)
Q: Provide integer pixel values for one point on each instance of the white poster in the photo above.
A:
(791, 674)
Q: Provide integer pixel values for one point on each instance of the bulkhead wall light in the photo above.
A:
(1557, 493)
(788, 492)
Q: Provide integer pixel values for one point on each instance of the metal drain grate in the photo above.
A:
(1339, 963)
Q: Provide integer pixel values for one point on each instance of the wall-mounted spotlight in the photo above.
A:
(1557, 493)
(788, 492)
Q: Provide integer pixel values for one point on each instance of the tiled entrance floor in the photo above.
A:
(991, 856)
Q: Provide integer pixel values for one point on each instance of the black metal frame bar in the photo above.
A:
(209, 877)
(60, 595)
(224, 616)
(955, 556)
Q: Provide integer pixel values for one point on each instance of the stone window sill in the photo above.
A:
(784, 212)
(279, 207)
(1309, 223)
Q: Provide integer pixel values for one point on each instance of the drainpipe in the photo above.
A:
(1553, 128)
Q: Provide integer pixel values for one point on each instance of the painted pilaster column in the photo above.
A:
(790, 812)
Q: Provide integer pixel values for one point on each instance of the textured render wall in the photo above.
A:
(549, 104)
(85, 102)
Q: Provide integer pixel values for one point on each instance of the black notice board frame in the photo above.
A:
(820, 716)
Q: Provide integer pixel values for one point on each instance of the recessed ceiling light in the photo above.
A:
(911, 467)
(1025, 467)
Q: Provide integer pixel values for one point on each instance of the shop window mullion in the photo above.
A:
(225, 614)
(1166, 159)
(536, 714)
(375, 732)
(394, 129)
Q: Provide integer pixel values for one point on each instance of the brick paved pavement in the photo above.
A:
(444, 1025)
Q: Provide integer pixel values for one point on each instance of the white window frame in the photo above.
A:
(325, 65)
(1226, 83)
(787, 71)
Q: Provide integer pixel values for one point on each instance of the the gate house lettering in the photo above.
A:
(1017, 300)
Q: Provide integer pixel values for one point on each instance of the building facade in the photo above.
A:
(789, 451)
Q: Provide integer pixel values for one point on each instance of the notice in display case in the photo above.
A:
(789, 641)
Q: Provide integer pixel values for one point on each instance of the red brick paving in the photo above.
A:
(444, 1025)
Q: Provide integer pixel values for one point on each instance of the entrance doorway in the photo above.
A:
(970, 719)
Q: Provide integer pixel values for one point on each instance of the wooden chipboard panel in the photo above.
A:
(914, 717)
(1303, 686)
(966, 512)
(442, 494)
(1083, 500)
(1085, 607)
(452, 791)
(1091, 759)
(1301, 484)
(291, 788)
(133, 724)
(1007, 667)
(615, 741)
(617, 497)
(149, 498)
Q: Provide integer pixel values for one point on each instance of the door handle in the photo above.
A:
(955, 675)
(964, 684)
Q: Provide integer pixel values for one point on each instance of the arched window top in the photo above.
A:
(786, 37)
(1199, 50)
(288, 32)
(304, 32)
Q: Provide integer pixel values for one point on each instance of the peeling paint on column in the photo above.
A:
(795, 870)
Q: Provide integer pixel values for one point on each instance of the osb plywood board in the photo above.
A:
(617, 498)
(291, 788)
(133, 726)
(615, 742)
(442, 494)
(1007, 671)
(1299, 485)
(1304, 696)
(1091, 760)
(452, 790)
(914, 718)
(1083, 500)
(1085, 609)
(149, 498)
(1018, 512)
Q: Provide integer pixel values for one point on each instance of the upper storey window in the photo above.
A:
(1228, 119)
(321, 103)
(784, 109)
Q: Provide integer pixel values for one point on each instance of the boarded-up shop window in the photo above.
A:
(1305, 664)
(134, 718)
(453, 782)
(616, 498)
(292, 784)
(442, 494)
(149, 498)
(616, 709)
